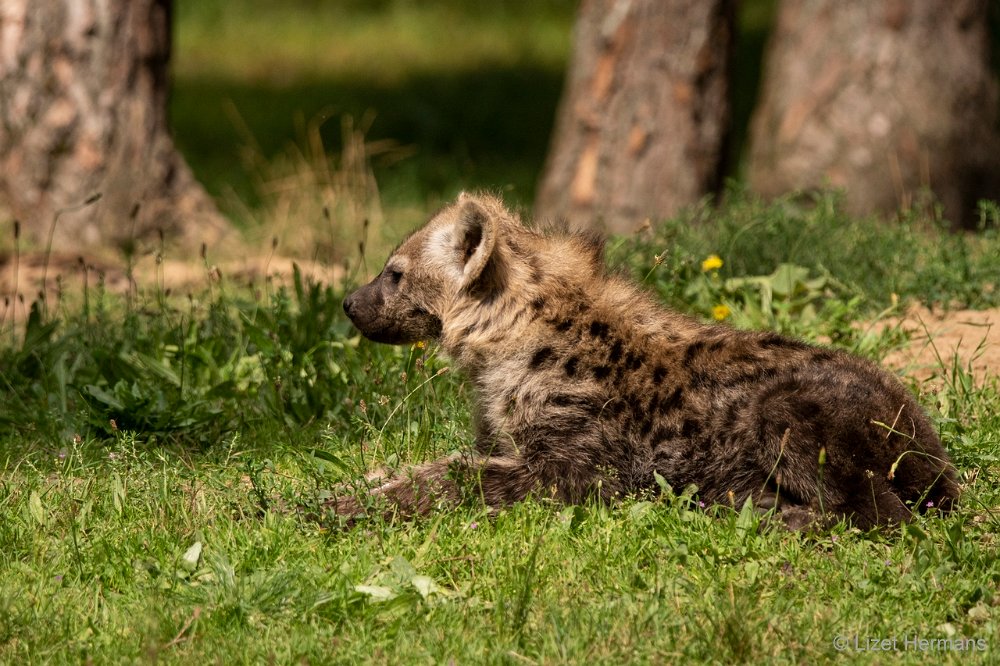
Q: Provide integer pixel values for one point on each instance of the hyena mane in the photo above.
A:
(587, 387)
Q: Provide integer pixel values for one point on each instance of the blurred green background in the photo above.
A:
(449, 94)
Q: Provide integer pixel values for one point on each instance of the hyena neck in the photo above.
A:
(483, 322)
(478, 331)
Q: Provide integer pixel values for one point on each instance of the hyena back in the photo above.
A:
(587, 387)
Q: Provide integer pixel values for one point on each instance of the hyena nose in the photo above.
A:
(349, 305)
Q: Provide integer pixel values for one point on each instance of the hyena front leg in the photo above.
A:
(497, 481)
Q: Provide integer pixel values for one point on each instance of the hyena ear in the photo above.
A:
(475, 238)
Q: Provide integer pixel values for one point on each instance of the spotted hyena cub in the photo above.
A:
(585, 386)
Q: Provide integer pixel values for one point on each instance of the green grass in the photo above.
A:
(96, 566)
(160, 456)
(865, 259)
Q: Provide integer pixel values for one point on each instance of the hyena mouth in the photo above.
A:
(432, 324)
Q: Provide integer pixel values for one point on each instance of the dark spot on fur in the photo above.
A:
(435, 326)
(598, 329)
(538, 303)
(508, 395)
(563, 399)
(632, 400)
(633, 361)
(776, 341)
(589, 406)
(564, 325)
(672, 401)
(601, 371)
(823, 355)
(753, 375)
(693, 350)
(806, 410)
(744, 357)
(570, 366)
(536, 270)
(690, 428)
(662, 434)
(642, 419)
(716, 345)
(615, 354)
(659, 372)
(540, 357)
(735, 415)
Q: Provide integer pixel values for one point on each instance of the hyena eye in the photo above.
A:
(395, 276)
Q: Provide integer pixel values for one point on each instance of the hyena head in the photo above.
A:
(452, 255)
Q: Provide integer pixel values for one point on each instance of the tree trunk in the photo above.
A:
(884, 99)
(83, 112)
(643, 121)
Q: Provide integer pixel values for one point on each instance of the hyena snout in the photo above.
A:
(389, 318)
(353, 306)
(364, 308)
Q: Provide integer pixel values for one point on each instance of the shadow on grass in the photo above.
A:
(484, 128)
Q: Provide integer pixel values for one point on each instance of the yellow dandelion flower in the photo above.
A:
(420, 344)
(720, 312)
(712, 263)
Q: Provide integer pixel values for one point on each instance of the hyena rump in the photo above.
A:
(587, 387)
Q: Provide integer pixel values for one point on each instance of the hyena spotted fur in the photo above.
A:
(585, 386)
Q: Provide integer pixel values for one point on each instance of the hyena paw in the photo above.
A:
(799, 518)
(345, 510)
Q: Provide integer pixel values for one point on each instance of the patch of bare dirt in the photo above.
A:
(939, 338)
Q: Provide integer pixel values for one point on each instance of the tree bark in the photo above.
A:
(644, 118)
(83, 112)
(884, 99)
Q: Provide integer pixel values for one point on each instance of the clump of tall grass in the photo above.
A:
(311, 203)
(874, 260)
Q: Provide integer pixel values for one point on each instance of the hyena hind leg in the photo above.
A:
(447, 481)
(869, 505)
(865, 503)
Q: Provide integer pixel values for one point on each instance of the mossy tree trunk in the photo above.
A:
(884, 99)
(644, 118)
(83, 112)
